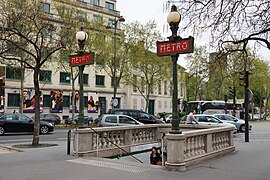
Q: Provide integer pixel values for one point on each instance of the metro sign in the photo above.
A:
(78, 60)
(181, 46)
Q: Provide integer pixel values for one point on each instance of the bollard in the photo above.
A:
(68, 142)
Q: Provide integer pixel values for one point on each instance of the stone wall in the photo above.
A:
(195, 144)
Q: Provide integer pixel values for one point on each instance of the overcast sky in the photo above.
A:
(145, 10)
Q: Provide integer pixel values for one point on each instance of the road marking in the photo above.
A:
(64, 138)
(15, 140)
(121, 167)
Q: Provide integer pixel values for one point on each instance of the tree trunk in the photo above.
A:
(148, 90)
(22, 87)
(35, 141)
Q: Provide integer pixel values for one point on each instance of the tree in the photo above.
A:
(26, 29)
(145, 69)
(236, 22)
(259, 82)
(104, 49)
(198, 73)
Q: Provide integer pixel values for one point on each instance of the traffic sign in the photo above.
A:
(78, 60)
(180, 46)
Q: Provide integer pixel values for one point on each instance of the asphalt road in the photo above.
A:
(57, 135)
(251, 161)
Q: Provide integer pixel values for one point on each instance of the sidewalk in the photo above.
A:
(251, 161)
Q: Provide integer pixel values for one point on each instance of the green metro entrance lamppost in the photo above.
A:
(81, 37)
(175, 46)
(81, 59)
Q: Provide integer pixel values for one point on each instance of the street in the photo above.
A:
(251, 161)
(57, 135)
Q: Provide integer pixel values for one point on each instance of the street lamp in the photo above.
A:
(81, 37)
(174, 19)
(121, 19)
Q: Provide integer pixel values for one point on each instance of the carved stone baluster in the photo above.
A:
(100, 137)
(185, 149)
(122, 134)
(188, 147)
(110, 136)
(214, 141)
(104, 142)
(199, 144)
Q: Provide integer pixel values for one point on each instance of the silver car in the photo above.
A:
(205, 119)
(107, 120)
(240, 124)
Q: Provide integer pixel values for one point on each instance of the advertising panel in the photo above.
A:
(56, 101)
(92, 104)
(29, 101)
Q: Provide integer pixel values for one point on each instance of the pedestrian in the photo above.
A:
(190, 117)
(155, 157)
(14, 111)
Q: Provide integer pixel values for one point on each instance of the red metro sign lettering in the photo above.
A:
(181, 46)
(77, 60)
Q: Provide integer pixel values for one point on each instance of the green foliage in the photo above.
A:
(145, 69)
(221, 70)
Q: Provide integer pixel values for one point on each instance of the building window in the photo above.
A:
(134, 82)
(64, 78)
(181, 90)
(159, 87)
(13, 73)
(165, 105)
(159, 105)
(66, 101)
(135, 103)
(82, 16)
(151, 89)
(97, 18)
(13, 100)
(142, 85)
(165, 88)
(95, 2)
(117, 82)
(142, 103)
(48, 31)
(109, 5)
(100, 80)
(85, 79)
(111, 23)
(63, 11)
(47, 101)
(46, 7)
(45, 76)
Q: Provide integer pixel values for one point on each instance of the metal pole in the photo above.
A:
(68, 142)
(234, 100)
(175, 121)
(81, 112)
(246, 107)
(114, 62)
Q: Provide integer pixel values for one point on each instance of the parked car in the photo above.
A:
(52, 118)
(107, 120)
(22, 123)
(168, 118)
(205, 119)
(240, 124)
(139, 115)
(87, 120)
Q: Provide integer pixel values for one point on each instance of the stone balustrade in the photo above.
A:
(195, 144)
